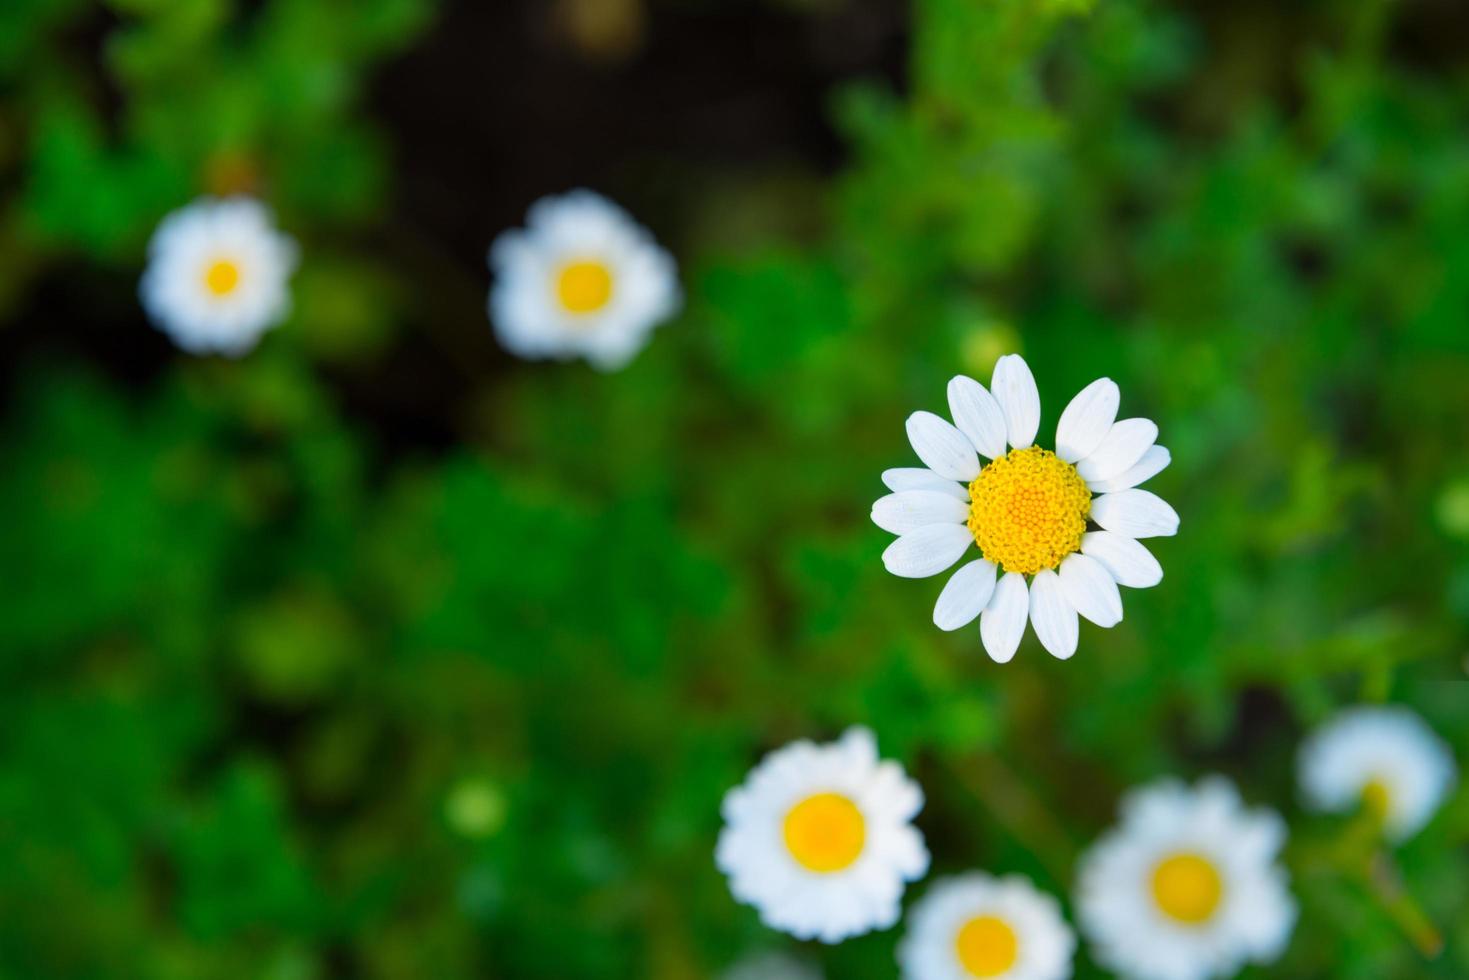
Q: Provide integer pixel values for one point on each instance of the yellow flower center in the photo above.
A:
(221, 277)
(584, 286)
(987, 946)
(1188, 888)
(1377, 798)
(1028, 510)
(825, 832)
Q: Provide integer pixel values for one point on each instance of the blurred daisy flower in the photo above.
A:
(217, 275)
(979, 926)
(820, 838)
(1385, 758)
(1187, 887)
(1027, 510)
(582, 279)
(771, 966)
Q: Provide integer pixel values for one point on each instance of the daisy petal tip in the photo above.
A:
(942, 447)
(964, 596)
(1087, 419)
(1014, 388)
(1001, 656)
(977, 415)
(927, 550)
(1153, 462)
(1091, 590)
(1127, 560)
(1002, 624)
(1052, 616)
(1135, 514)
(1121, 448)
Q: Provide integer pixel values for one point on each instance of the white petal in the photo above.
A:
(912, 509)
(928, 550)
(1014, 388)
(1135, 513)
(942, 447)
(1123, 446)
(1087, 419)
(978, 416)
(1091, 590)
(1052, 616)
(966, 595)
(1130, 563)
(919, 478)
(1003, 622)
(1154, 461)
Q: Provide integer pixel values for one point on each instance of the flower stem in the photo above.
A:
(1381, 876)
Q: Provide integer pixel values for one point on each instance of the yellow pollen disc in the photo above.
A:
(987, 946)
(221, 277)
(1188, 888)
(584, 286)
(1377, 798)
(825, 832)
(1028, 510)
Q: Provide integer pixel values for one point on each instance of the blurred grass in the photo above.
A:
(290, 693)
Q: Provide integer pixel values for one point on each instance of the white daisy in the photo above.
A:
(772, 966)
(979, 926)
(581, 279)
(820, 838)
(1027, 510)
(217, 275)
(1385, 757)
(1187, 886)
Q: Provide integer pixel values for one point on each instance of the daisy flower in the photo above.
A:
(819, 838)
(1028, 510)
(979, 926)
(1386, 758)
(772, 966)
(582, 279)
(217, 275)
(1187, 887)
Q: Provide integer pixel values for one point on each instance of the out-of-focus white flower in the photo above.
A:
(820, 839)
(1187, 886)
(1385, 757)
(1027, 510)
(217, 275)
(993, 928)
(582, 279)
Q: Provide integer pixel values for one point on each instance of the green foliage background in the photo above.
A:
(283, 697)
